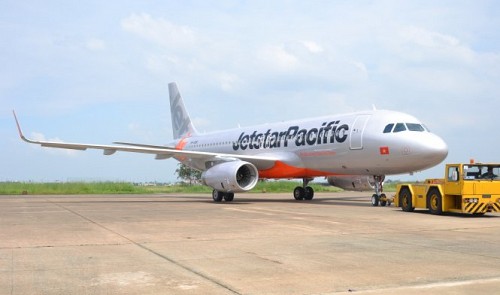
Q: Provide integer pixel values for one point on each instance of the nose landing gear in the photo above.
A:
(379, 197)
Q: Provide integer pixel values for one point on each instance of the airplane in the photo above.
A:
(371, 143)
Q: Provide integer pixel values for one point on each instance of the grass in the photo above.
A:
(82, 188)
(67, 188)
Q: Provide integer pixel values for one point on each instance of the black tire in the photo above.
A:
(405, 201)
(383, 200)
(375, 200)
(435, 201)
(228, 197)
(309, 193)
(217, 196)
(299, 193)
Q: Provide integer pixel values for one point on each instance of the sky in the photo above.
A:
(98, 72)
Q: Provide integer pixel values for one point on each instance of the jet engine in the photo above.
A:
(353, 182)
(234, 176)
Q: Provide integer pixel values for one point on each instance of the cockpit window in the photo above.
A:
(388, 128)
(399, 127)
(404, 127)
(415, 127)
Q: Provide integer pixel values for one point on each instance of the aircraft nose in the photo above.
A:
(436, 149)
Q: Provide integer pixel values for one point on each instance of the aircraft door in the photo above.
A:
(356, 138)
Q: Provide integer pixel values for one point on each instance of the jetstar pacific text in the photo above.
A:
(331, 132)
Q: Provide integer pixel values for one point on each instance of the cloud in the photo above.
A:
(36, 136)
(361, 67)
(422, 44)
(312, 46)
(277, 58)
(228, 81)
(159, 31)
(426, 38)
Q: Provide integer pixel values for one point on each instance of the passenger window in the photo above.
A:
(388, 128)
(399, 127)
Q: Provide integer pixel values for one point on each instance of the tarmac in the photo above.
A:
(258, 244)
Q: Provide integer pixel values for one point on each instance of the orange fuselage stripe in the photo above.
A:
(282, 170)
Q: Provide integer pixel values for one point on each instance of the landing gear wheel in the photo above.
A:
(217, 196)
(228, 197)
(383, 200)
(434, 201)
(405, 200)
(299, 193)
(378, 197)
(309, 193)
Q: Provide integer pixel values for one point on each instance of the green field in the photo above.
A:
(79, 188)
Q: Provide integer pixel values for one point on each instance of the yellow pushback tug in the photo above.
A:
(467, 188)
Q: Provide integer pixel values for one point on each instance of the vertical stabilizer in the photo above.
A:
(181, 123)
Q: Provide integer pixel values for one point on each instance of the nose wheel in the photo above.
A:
(379, 198)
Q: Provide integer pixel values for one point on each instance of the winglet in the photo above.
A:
(19, 129)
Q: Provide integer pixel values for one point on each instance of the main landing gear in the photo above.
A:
(219, 196)
(379, 197)
(304, 192)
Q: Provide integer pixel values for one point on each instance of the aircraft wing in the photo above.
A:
(161, 152)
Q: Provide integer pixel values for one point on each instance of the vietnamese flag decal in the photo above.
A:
(384, 150)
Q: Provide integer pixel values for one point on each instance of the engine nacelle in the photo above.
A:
(234, 176)
(353, 182)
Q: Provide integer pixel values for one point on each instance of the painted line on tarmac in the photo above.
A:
(171, 260)
(250, 211)
(402, 289)
(458, 283)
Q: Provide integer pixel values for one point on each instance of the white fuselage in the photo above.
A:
(342, 144)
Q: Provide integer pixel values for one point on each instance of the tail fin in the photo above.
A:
(181, 123)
